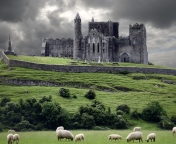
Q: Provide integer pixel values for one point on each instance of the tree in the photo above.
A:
(90, 94)
(125, 108)
(50, 114)
(153, 112)
(63, 92)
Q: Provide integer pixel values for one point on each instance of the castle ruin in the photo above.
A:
(102, 44)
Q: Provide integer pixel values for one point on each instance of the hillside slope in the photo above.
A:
(135, 90)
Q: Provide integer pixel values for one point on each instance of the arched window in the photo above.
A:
(98, 48)
(93, 47)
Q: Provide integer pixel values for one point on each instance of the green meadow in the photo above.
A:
(91, 137)
(69, 61)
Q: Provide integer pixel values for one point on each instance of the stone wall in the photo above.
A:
(81, 69)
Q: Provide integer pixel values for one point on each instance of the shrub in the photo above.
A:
(90, 94)
(135, 114)
(119, 112)
(165, 123)
(153, 112)
(125, 108)
(24, 126)
(120, 123)
(74, 96)
(63, 92)
(173, 119)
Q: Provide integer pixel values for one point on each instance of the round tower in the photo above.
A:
(77, 50)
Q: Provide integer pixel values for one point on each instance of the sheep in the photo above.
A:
(174, 130)
(137, 135)
(11, 131)
(151, 136)
(10, 138)
(64, 134)
(79, 137)
(137, 129)
(16, 138)
(59, 128)
(114, 137)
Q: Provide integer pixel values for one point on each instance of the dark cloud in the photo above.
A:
(159, 13)
(20, 18)
(12, 10)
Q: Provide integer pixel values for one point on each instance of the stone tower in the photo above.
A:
(137, 35)
(77, 49)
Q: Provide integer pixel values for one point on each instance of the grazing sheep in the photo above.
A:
(11, 131)
(151, 136)
(79, 137)
(16, 138)
(137, 129)
(174, 130)
(64, 134)
(59, 128)
(137, 135)
(10, 138)
(114, 137)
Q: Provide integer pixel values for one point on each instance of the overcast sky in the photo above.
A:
(27, 21)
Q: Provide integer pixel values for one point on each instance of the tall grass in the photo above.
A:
(91, 137)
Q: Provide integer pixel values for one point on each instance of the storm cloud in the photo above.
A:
(27, 21)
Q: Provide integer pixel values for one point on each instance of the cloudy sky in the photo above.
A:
(27, 21)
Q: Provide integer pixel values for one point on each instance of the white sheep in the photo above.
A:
(151, 136)
(11, 131)
(16, 138)
(114, 137)
(79, 137)
(174, 130)
(137, 135)
(64, 134)
(59, 128)
(10, 138)
(137, 129)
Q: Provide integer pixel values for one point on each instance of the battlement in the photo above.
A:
(137, 26)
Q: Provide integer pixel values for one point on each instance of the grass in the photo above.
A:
(135, 89)
(91, 137)
(69, 61)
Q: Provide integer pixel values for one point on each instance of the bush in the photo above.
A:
(24, 126)
(120, 123)
(153, 112)
(63, 92)
(125, 108)
(74, 96)
(173, 119)
(90, 94)
(135, 114)
(119, 112)
(166, 124)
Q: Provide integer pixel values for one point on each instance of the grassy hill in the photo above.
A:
(134, 89)
(68, 61)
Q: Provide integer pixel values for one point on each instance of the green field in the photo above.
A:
(134, 89)
(69, 61)
(91, 137)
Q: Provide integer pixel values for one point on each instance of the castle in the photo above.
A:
(102, 44)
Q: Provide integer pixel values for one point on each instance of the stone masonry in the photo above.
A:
(102, 43)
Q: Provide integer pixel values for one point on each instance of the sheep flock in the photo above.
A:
(67, 135)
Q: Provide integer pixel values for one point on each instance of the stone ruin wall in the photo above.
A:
(85, 69)
(60, 47)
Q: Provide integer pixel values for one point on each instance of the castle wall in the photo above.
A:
(60, 47)
(107, 28)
